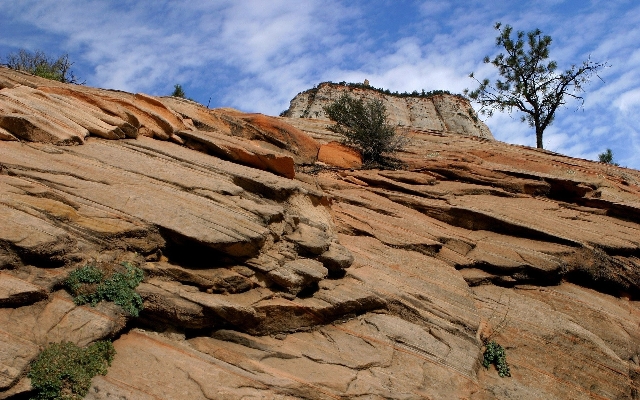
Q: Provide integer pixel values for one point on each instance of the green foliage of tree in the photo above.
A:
(64, 370)
(607, 157)
(90, 285)
(529, 82)
(178, 91)
(40, 64)
(365, 127)
(495, 354)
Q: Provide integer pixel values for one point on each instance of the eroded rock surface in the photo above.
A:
(337, 284)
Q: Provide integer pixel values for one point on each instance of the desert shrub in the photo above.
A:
(42, 65)
(91, 285)
(365, 127)
(178, 91)
(495, 354)
(64, 370)
(607, 157)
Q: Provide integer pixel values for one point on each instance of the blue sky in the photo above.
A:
(256, 55)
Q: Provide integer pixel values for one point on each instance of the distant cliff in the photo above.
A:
(438, 112)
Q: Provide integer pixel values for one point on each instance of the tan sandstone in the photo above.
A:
(272, 272)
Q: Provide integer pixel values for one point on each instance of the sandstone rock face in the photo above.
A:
(339, 155)
(438, 113)
(39, 110)
(340, 283)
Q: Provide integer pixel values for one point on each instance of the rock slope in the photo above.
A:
(440, 112)
(269, 275)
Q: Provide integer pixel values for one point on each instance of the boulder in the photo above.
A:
(310, 239)
(298, 274)
(336, 258)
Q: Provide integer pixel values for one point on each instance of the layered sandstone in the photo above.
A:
(439, 113)
(338, 283)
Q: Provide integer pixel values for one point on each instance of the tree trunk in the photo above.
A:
(539, 137)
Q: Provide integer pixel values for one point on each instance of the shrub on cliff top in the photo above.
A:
(40, 64)
(178, 91)
(64, 370)
(607, 157)
(365, 127)
(415, 93)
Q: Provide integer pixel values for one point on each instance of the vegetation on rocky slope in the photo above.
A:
(40, 64)
(418, 94)
(365, 127)
(63, 371)
(91, 285)
(495, 354)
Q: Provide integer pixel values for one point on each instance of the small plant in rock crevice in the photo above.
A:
(91, 285)
(495, 354)
(64, 370)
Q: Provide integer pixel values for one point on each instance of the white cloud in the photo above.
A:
(433, 8)
(140, 46)
(629, 101)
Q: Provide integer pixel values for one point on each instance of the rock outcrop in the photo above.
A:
(271, 275)
(442, 112)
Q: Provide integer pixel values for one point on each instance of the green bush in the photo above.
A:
(178, 91)
(495, 354)
(607, 157)
(365, 127)
(40, 64)
(91, 285)
(64, 370)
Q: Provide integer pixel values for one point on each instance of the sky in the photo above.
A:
(256, 55)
